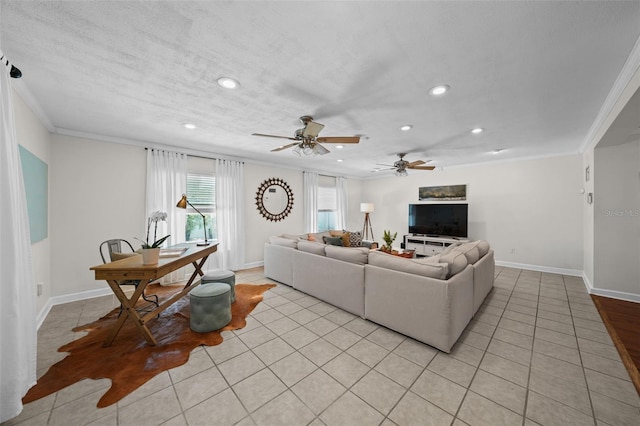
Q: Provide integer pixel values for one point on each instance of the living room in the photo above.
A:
(535, 210)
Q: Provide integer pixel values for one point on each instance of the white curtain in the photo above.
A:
(18, 332)
(310, 201)
(341, 202)
(230, 213)
(166, 182)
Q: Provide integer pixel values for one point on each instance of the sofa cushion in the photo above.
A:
(334, 241)
(450, 247)
(483, 247)
(423, 267)
(456, 260)
(348, 254)
(470, 251)
(294, 237)
(285, 242)
(311, 247)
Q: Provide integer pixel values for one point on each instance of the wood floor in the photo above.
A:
(622, 319)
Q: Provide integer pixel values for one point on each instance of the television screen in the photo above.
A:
(446, 220)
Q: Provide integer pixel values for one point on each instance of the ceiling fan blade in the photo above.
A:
(312, 129)
(280, 148)
(321, 149)
(415, 163)
(339, 139)
(386, 165)
(272, 136)
(421, 167)
(382, 170)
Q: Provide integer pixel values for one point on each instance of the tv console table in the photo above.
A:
(429, 246)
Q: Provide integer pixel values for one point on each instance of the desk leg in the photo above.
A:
(129, 311)
(197, 272)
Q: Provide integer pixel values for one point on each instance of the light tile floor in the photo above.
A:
(537, 352)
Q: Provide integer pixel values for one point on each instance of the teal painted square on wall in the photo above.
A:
(35, 174)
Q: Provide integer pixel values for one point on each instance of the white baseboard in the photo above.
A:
(614, 294)
(549, 269)
(73, 297)
(253, 265)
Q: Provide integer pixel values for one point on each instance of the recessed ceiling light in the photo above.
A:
(189, 126)
(406, 127)
(477, 130)
(228, 83)
(439, 90)
(340, 160)
(339, 146)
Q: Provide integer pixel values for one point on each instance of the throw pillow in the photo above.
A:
(334, 241)
(342, 234)
(117, 255)
(355, 239)
(311, 237)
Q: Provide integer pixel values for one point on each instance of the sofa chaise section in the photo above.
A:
(334, 281)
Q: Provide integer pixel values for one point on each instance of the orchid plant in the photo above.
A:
(155, 217)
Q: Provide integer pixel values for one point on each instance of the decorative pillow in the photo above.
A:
(311, 237)
(421, 267)
(319, 235)
(334, 241)
(357, 255)
(311, 247)
(342, 234)
(115, 255)
(355, 239)
(285, 242)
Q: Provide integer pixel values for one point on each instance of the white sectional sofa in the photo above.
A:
(429, 299)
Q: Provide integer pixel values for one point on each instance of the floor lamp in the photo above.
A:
(367, 208)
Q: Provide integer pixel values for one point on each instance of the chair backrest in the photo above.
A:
(111, 246)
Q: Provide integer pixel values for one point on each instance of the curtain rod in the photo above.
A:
(192, 155)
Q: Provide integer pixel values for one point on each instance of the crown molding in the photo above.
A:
(629, 70)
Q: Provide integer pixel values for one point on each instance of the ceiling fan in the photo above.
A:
(306, 139)
(402, 165)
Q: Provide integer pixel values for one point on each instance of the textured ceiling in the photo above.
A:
(533, 74)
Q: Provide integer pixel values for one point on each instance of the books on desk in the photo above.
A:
(172, 252)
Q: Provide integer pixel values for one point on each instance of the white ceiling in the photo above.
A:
(533, 74)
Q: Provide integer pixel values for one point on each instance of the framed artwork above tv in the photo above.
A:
(442, 193)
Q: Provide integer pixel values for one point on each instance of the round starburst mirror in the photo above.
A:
(274, 199)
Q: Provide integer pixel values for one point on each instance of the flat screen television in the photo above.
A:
(445, 220)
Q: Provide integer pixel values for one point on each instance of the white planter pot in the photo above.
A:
(150, 256)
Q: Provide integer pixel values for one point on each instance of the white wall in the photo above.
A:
(36, 138)
(530, 211)
(97, 193)
(617, 218)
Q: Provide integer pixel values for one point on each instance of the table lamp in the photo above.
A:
(182, 204)
(366, 208)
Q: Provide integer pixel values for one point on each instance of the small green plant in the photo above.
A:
(389, 239)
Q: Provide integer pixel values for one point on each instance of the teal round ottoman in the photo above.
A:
(210, 307)
(222, 276)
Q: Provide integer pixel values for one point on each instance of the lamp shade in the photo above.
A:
(182, 204)
(366, 207)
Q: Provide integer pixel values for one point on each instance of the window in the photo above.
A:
(327, 203)
(201, 192)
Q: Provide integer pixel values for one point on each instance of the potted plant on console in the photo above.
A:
(388, 239)
(151, 252)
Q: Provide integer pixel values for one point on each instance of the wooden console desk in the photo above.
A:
(131, 268)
